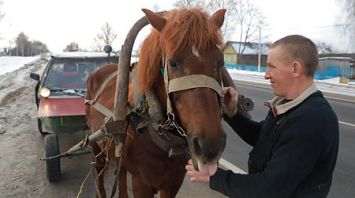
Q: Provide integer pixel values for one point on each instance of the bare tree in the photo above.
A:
(1, 12)
(241, 16)
(188, 3)
(106, 37)
(349, 23)
(230, 20)
(211, 6)
(324, 48)
(21, 42)
(39, 47)
(250, 20)
(97, 45)
(25, 47)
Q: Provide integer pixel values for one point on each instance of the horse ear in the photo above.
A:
(218, 18)
(155, 20)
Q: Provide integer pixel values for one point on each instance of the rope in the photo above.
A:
(82, 184)
(94, 175)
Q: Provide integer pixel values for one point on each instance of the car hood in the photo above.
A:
(49, 107)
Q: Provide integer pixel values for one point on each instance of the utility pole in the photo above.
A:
(10, 47)
(259, 54)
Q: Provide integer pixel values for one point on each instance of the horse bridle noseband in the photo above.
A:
(190, 82)
(185, 83)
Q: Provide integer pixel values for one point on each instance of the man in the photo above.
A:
(295, 148)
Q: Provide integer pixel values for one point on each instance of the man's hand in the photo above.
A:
(230, 101)
(203, 175)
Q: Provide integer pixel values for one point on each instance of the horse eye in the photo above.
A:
(172, 64)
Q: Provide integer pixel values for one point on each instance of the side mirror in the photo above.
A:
(34, 76)
(108, 49)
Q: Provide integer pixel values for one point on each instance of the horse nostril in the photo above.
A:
(207, 149)
(196, 146)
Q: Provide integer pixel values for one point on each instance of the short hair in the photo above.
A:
(301, 48)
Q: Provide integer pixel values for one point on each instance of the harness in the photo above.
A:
(185, 83)
(147, 112)
(190, 82)
(165, 132)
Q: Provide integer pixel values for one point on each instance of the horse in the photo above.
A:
(179, 65)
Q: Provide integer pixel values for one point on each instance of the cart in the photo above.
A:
(60, 99)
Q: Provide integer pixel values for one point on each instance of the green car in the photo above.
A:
(60, 99)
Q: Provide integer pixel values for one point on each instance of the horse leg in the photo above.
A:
(140, 189)
(99, 167)
(122, 185)
(170, 193)
(167, 194)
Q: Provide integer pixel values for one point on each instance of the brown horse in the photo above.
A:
(183, 43)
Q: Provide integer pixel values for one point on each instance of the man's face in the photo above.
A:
(279, 71)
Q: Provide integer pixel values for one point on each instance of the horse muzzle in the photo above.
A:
(207, 150)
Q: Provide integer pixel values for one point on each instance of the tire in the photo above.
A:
(51, 148)
(40, 129)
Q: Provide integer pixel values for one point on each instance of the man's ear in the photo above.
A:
(298, 69)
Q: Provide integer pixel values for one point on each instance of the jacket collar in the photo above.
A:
(278, 108)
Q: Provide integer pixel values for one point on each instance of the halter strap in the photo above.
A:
(189, 82)
(185, 83)
(194, 81)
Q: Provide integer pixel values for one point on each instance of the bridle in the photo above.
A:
(185, 83)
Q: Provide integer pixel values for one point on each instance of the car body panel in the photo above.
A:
(64, 124)
(50, 107)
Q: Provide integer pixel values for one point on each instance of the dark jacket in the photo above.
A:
(294, 151)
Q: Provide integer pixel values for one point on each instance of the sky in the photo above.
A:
(60, 22)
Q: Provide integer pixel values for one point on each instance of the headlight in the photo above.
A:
(44, 92)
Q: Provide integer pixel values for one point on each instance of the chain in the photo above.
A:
(171, 124)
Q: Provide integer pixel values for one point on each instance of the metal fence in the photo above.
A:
(329, 67)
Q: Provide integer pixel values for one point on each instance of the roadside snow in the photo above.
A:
(18, 134)
(327, 86)
(19, 75)
(11, 63)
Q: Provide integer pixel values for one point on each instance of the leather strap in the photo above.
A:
(194, 81)
(172, 144)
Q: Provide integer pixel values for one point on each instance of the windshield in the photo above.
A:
(72, 73)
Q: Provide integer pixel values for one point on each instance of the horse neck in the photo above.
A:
(159, 90)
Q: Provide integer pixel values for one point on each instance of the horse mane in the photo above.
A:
(184, 28)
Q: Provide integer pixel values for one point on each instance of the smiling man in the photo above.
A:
(295, 148)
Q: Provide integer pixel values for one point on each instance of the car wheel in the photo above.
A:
(51, 148)
(40, 129)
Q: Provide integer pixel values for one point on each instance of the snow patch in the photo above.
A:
(11, 63)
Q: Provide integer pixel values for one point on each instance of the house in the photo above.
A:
(234, 53)
(332, 66)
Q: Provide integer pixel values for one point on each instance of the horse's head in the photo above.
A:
(187, 44)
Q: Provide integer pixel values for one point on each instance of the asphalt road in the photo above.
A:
(344, 176)
(74, 171)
